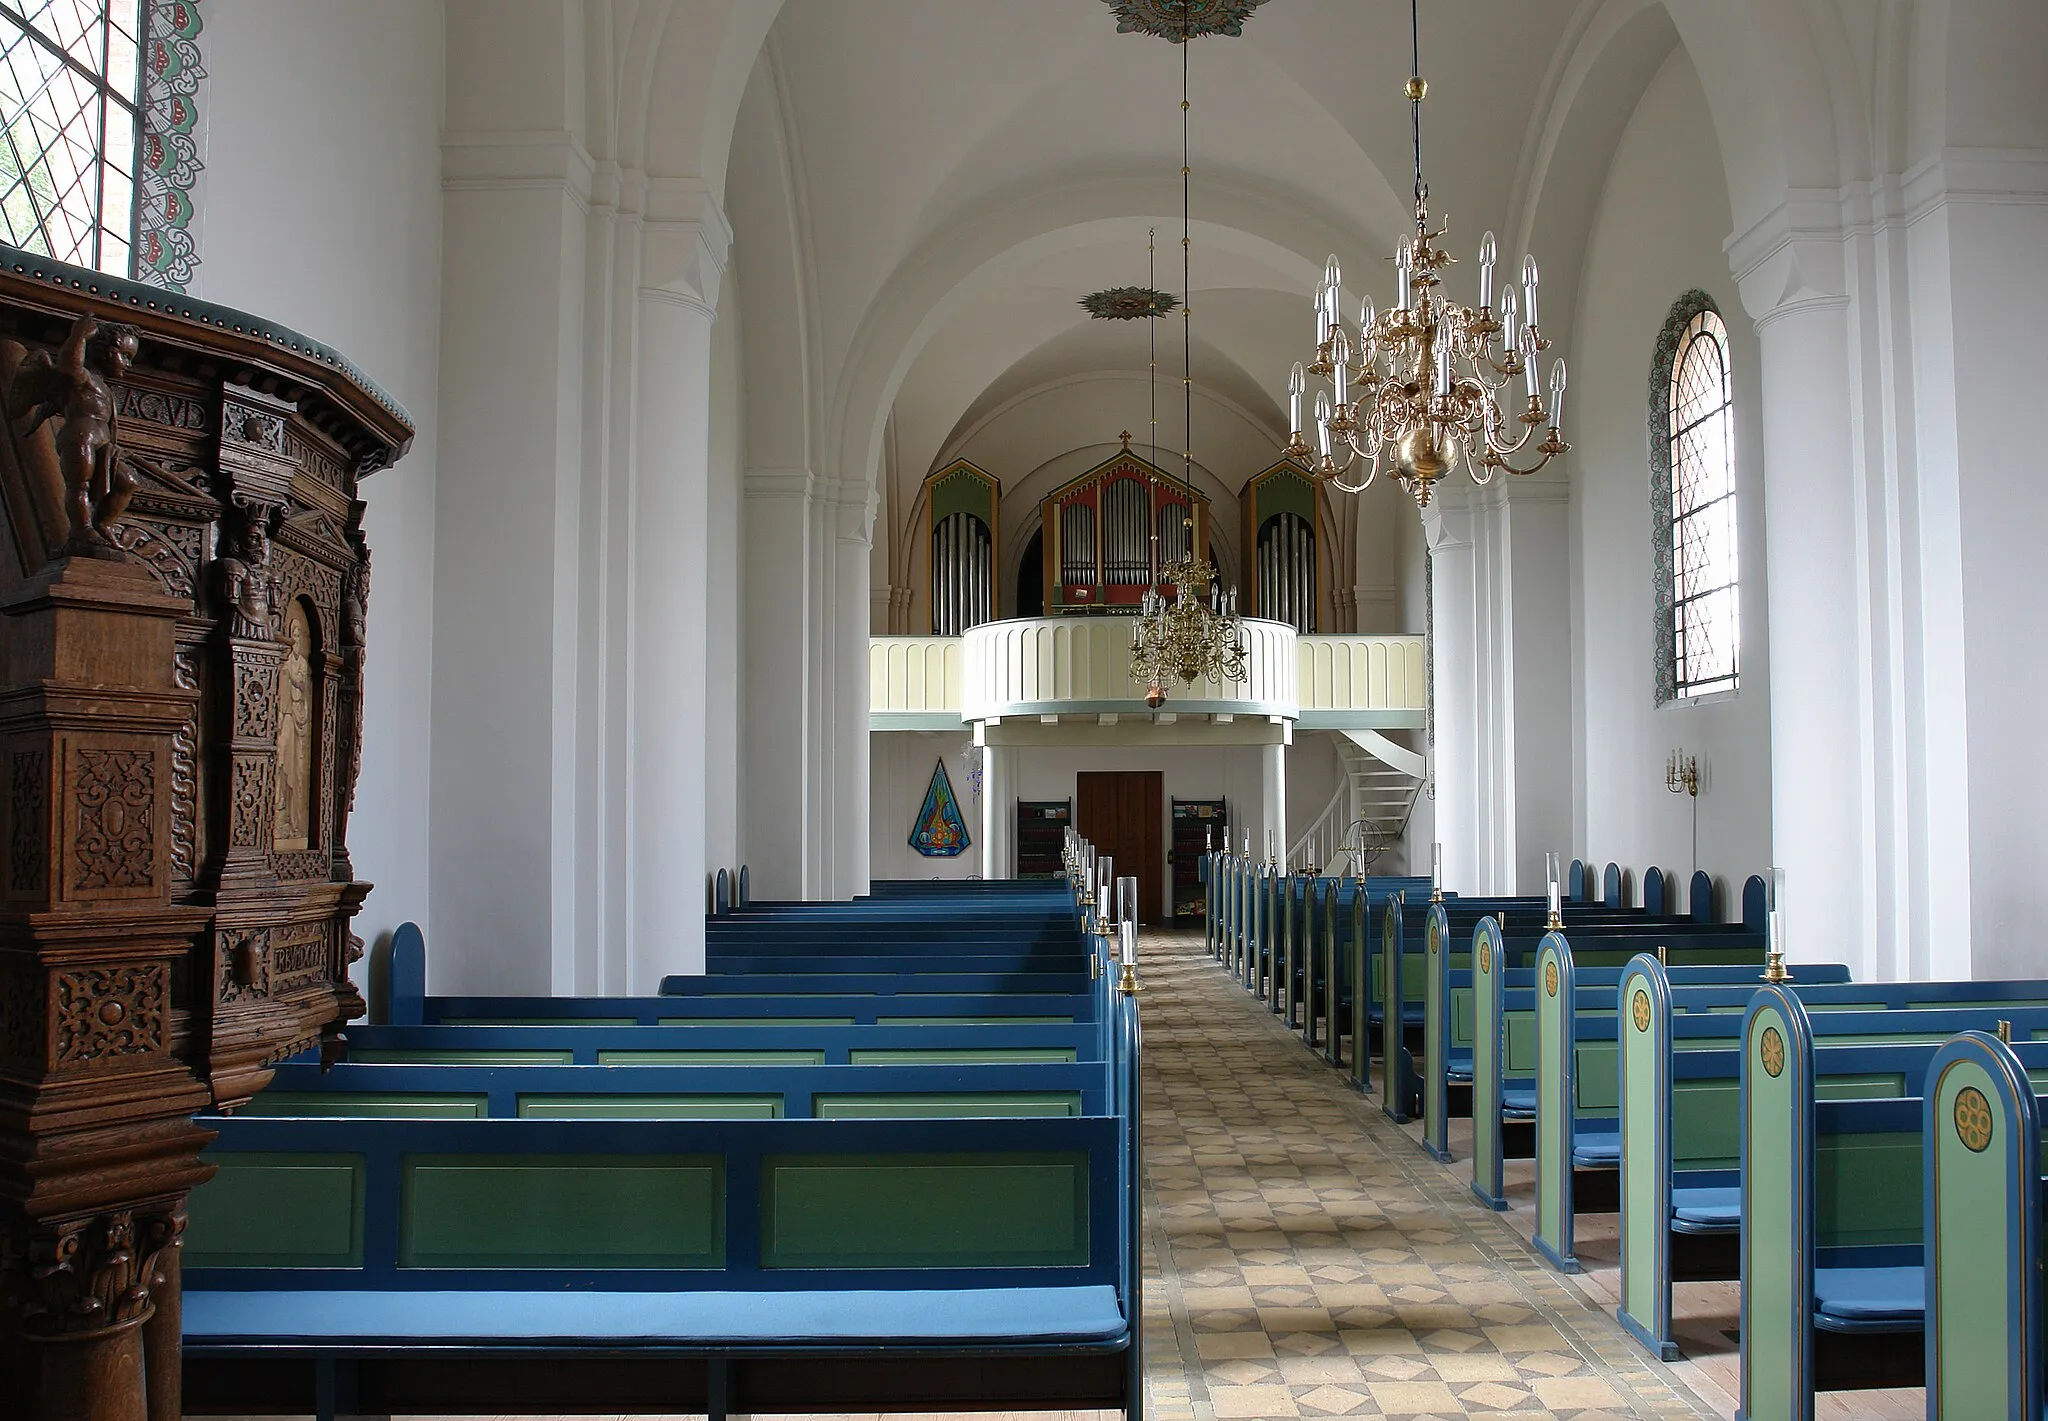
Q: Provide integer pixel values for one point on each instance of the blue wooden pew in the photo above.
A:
(763, 1043)
(1984, 1226)
(669, 1092)
(864, 1009)
(579, 1263)
(1579, 1089)
(526, 1245)
(1680, 1120)
(1834, 1219)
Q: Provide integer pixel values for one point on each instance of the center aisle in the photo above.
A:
(1306, 1259)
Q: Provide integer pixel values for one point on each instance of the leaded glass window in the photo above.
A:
(1692, 447)
(70, 72)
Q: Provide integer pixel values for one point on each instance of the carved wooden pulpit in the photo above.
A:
(183, 582)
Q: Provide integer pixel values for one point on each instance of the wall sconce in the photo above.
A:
(1682, 773)
(1682, 776)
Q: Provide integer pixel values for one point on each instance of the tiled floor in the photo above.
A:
(1313, 1262)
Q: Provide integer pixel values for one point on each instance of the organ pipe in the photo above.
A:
(963, 563)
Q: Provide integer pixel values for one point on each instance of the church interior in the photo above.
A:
(942, 809)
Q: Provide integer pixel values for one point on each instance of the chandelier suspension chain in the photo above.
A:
(1416, 89)
(1152, 336)
(1187, 290)
(1195, 634)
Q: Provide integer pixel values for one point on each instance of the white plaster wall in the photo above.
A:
(902, 762)
(1659, 230)
(901, 771)
(323, 210)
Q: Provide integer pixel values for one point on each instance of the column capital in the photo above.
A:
(854, 504)
(685, 240)
(781, 483)
(1792, 258)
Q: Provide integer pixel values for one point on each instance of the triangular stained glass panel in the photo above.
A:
(940, 832)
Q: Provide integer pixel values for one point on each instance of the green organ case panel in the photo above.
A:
(564, 1211)
(278, 1211)
(925, 1211)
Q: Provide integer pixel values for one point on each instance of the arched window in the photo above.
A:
(1692, 493)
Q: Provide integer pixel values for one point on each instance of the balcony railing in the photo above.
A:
(1081, 665)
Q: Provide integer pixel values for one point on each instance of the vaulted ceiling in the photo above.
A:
(959, 173)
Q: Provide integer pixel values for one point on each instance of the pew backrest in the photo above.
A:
(1981, 1122)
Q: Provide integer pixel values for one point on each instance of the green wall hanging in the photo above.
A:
(940, 832)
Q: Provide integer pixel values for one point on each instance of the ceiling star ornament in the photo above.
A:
(1129, 303)
(1416, 390)
(1181, 20)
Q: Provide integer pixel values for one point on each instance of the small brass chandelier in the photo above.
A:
(1418, 389)
(1194, 635)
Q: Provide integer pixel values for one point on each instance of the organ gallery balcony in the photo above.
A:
(1057, 670)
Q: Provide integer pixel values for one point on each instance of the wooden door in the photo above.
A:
(1122, 812)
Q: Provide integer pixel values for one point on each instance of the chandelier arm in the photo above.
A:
(1504, 464)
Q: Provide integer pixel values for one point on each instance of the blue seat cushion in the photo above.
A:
(1596, 1149)
(1459, 1066)
(851, 1318)
(1520, 1104)
(1703, 1209)
(1870, 1295)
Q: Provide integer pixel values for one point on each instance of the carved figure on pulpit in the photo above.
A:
(245, 576)
(72, 388)
(355, 603)
(294, 813)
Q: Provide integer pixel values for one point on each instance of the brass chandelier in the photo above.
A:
(1418, 389)
(1195, 634)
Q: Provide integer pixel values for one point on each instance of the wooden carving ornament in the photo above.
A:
(183, 592)
(72, 388)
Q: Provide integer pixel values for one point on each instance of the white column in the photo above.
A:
(1273, 798)
(998, 812)
(1822, 803)
(1535, 715)
(778, 571)
(683, 258)
(846, 763)
(501, 853)
(1453, 634)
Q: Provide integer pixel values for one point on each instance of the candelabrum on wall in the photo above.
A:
(1682, 776)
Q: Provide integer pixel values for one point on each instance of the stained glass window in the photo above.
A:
(1695, 465)
(70, 71)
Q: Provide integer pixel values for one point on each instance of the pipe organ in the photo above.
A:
(961, 503)
(1109, 532)
(1280, 518)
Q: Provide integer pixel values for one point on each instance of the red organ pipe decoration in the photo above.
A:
(1110, 532)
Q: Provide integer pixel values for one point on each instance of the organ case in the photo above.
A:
(1111, 531)
(1282, 521)
(962, 508)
